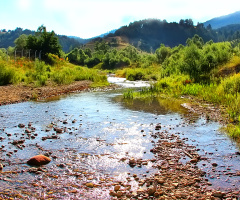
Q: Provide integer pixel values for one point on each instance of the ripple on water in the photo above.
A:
(96, 148)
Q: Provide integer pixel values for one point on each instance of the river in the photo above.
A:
(101, 132)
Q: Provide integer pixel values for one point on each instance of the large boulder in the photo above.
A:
(39, 160)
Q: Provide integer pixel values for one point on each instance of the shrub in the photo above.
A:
(6, 75)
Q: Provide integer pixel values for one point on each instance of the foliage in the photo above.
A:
(6, 74)
(38, 73)
(44, 41)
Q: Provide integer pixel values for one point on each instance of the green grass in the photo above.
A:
(38, 73)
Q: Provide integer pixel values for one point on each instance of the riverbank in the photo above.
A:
(19, 93)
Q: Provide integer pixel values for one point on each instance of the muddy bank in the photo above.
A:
(19, 93)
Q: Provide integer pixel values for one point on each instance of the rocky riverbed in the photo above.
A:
(176, 176)
(170, 168)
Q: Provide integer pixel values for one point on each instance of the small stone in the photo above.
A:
(90, 185)
(160, 181)
(128, 195)
(27, 131)
(119, 194)
(132, 162)
(58, 130)
(117, 187)
(194, 160)
(175, 184)
(1, 167)
(39, 160)
(218, 194)
(112, 193)
(214, 164)
(151, 190)
(21, 125)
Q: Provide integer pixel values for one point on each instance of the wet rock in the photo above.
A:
(214, 164)
(21, 125)
(194, 160)
(90, 185)
(16, 142)
(158, 127)
(39, 160)
(117, 187)
(58, 130)
(61, 165)
(132, 162)
(112, 193)
(28, 131)
(151, 190)
(119, 194)
(175, 184)
(218, 194)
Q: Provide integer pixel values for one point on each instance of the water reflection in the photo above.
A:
(102, 131)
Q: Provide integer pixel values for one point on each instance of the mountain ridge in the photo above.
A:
(219, 22)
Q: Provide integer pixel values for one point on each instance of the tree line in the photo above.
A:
(148, 34)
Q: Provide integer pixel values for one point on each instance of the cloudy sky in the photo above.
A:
(89, 18)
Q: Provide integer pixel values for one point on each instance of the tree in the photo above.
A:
(21, 42)
(191, 63)
(162, 53)
(46, 42)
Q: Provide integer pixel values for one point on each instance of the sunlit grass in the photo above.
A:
(38, 73)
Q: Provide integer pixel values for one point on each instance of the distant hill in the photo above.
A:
(148, 34)
(222, 21)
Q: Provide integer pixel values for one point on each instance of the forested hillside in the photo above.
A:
(148, 34)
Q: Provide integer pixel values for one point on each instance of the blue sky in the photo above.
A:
(89, 18)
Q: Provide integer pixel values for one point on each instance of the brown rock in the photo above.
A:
(151, 190)
(21, 125)
(90, 185)
(175, 184)
(132, 162)
(112, 193)
(39, 160)
(119, 194)
(117, 187)
(194, 160)
(160, 181)
(218, 194)
(214, 164)
(58, 130)
(1, 167)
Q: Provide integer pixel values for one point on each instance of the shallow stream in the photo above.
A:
(101, 131)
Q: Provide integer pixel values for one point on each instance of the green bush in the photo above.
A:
(6, 75)
(231, 84)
